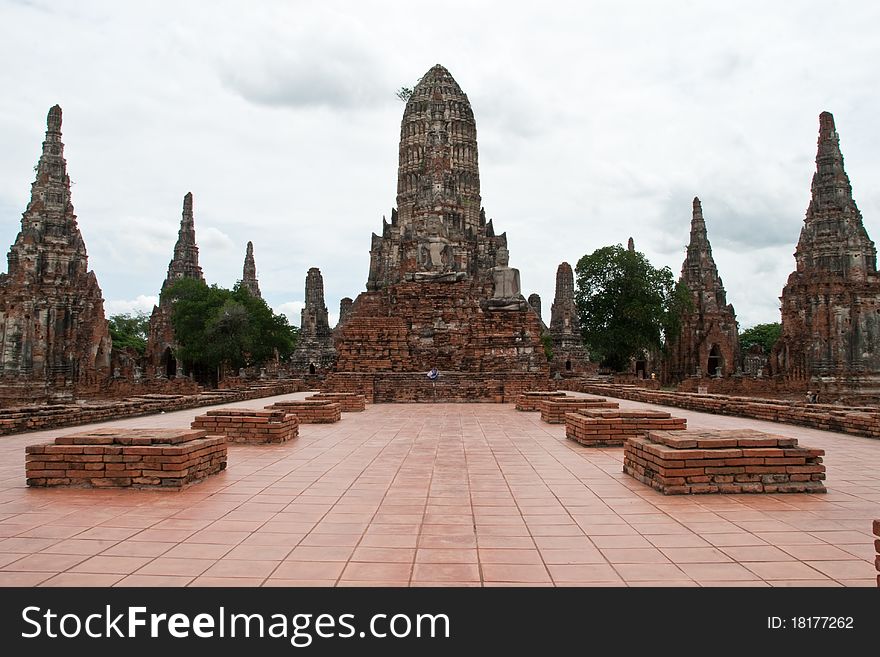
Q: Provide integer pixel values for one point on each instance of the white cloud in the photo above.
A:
(597, 121)
(142, 303)
(292, 310)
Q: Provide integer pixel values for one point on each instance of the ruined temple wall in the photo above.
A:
(412, 327)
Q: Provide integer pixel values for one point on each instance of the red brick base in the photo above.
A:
(126, 458)
(310, 411)
(249, 425)
(610, 428)
(553, 410)
(877, 548)
(738, 461)
(529, 401)
(349, 402)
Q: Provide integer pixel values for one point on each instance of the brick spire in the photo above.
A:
(52, 325)
(699, 271)
(833, 237)
(563, 315)
(185, 263)
(49, 215)
(249, 273)
(438, 170)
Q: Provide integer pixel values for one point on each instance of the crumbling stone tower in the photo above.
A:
(569, 354)
(708, 343)
(440, 292)
(249, 273)
(831, 302)
(314, 353)
(161, 345)
(54, 339)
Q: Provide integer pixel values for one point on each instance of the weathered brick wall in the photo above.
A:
(855, 420)
(126, 458)
(53, 416)
(610, 428)
(310, 411)
(390, 387)
(748, 386)
(553, 410)
(877, 548)
(249, 425)
(530, 401)
(738, 461)
(349, 402)
(412, 327)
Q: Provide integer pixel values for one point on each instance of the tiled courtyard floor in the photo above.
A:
(439, 494)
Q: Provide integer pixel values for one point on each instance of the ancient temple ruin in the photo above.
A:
(440, 291)
(345, 304)
(249, 273)
(54, 340)
(314, 352)
(570, 356)
(161, 346)
(708, 342)
(831, 302)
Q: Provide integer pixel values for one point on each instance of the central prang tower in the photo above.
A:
(440, 292)
(439, 230)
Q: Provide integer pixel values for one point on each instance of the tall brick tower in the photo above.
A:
(161, 345)
(54, 339)
(440, 292)
(708, 343)
(569, 354)
(314, 350)
(831, 302)
(249, 272)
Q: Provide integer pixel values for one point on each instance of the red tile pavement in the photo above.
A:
(438, 495)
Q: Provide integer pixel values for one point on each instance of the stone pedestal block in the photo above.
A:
(553, 410)
(126, 458)
(732, 461)
(310, 411)
(610, 428)
(249, 425)
(349, 402)
(529, 401)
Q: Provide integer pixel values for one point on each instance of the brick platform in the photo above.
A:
(409, 387)
(310, 411)
(553, 410)
(249, 425)
(732, 461)
(610, 428)
(51, 416)
(877, 548)
(855, 420)
(123, 458)
(529, 401)
(349, 402)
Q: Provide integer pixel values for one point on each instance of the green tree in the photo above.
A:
(130, 330)
(625, 305)
(215, 327)
(765, 335)
(404, 93)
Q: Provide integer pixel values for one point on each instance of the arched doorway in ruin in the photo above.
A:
(641, 368)
(568, 365)
(169, 363)
(312, 368)
(715, 361)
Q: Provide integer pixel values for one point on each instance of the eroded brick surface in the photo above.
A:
(723, 461)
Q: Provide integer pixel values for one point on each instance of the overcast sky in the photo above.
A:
(596, 121)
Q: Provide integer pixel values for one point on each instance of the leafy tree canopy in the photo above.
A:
(214, 326)
(765, 335)
(625, 305)
(130, 330)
